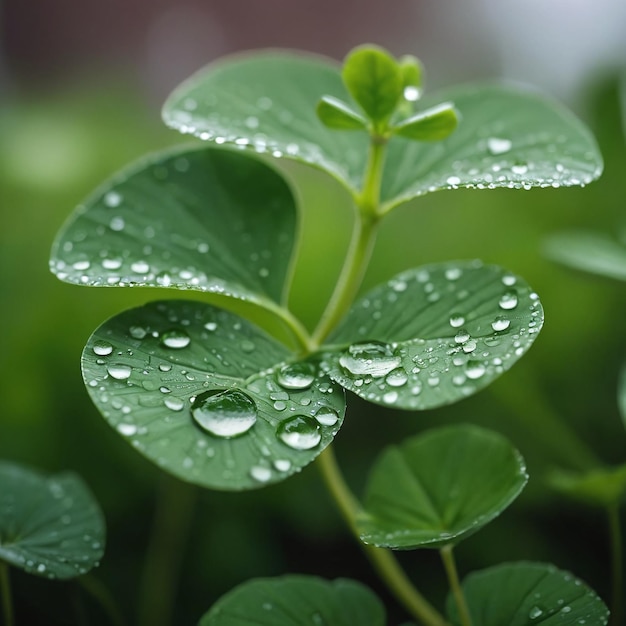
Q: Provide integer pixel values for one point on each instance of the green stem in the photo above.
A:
(617, 573)
(5, 594)
(383, 560)
(368, 200)
(296, 327)
(102, 596)
(175, 504)
(447, 556)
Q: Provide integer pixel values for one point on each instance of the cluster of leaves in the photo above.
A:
(216, 400)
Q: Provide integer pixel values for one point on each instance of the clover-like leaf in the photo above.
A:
(297, 601)
(208, 396)
(434, 124)
(50, 526)
(525, 594)
(589, 252)
(374, 79)
(599, 487)
(508, 137)
(439, 487)
(434, 335)
(204, 219)
(336, 114)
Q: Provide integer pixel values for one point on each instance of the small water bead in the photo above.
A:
(119, 371)
(211, 326)
(165, 367)
(456, 320)
(462, 336)
(102, 348)
(474, 370)
(500, 323)
(174, 404)
(300, 432)
(508, 300)
(260, 473)
(117, 223)
(296, 376)
(498, 145)
(411, 93)
(397, 378)
(112, 199)
(282, 465)
(535, 613)
(224, 413)
(453, 273)
(175, 339)
(373, 359)
(81, 265)
(127, 430)
(390, 397)
(469, 346)
(519, 168)
(327, 416)
(453, 180)
(137, 332)
(112, 263)
(140, 267)
(509, 280)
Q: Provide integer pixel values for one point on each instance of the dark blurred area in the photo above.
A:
(81, 85)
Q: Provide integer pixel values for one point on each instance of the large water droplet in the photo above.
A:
(296, 375)
(224, 413)
(119, 371)
(456, 320)
(397, 378)
(373, 359)
(327, 416)
(500, 323)
(102, 348)
(474, 370)
(300, 432)
(175, 338)
(508, 300)
(497, 145)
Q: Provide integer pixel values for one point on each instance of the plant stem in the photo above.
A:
(617, 573)
(173, 516)
(362, 244)
(383, 560)
(5, 594)
(447, 556)
(96, 589)
(296, 327)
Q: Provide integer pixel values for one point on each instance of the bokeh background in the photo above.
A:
(81, 85)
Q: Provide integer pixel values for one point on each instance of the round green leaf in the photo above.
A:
(599, 487)
(589, 252)
(508, 137)
(204, 219)
(439, 487)
(435, 124)
(336, 114)
(434, 335)
(374, 79)
(525, 594)
(297, 601)
(208, 396)
(49, 526)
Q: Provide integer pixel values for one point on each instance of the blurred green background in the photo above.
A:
(66, 123)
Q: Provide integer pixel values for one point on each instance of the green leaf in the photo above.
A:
(297, 601)
(49, 526)
(435, 124)
(412, 74)
(508, 137)
(374, 79)
(434, 335)
(525, 594)
(589, 252)
(599, 487)
(202, 219)
(208, 396)
(621, 394)
(439, 487)
(336, 114)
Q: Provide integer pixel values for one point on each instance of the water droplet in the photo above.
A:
(128, 430)
(81, 265)
(296, 375)
(327, 416)
(174, 404)
(474, 370)
(535, 612)
(411, 93)
(119, 371)
(102, 348)
(175, 338)
(224, 413)
(390, 397)
(300, 432)
(456, 320)
(369, 359)
(500, 323)
(112, 199)
(260, 473)
(247, 346)
(117, 223)
(508, 300)
(282, 465)
(470, 346)
(140, 267)
(519, 168)
(497, 145)
(462, 336)
(397, 377)
(453, 180)
(210, 326)
(453, 273)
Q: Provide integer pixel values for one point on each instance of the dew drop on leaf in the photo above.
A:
(397, 378)
(119, 371)
(296, 376)
(500, 323)
(508, 300)
(497, 145)
(373, 359)
(327, 416)
(456, 320)
(175, 338)
(300, 432)
(474, 370)
(260, 473)
(224, 413)
(174, 404)
(102, 348)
